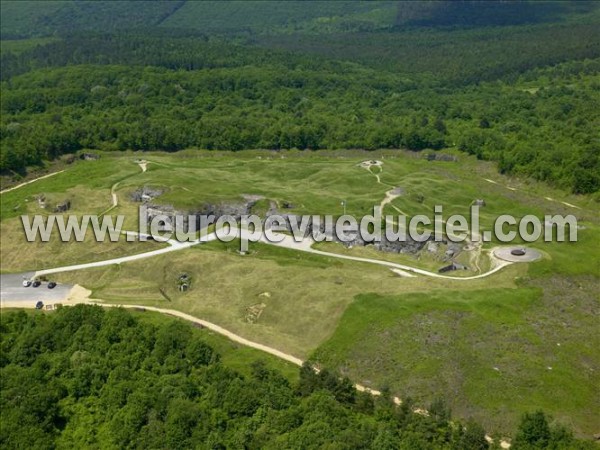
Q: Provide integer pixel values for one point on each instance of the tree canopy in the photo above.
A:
(168, 92)
(86, 377)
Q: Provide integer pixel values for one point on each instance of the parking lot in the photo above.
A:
(13, 293)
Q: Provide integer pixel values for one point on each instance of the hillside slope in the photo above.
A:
(22, 19)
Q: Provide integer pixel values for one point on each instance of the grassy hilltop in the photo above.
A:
(488, 343)
(282, 101)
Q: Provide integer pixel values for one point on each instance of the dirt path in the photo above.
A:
(113, 190)
(570, 205)
(31, 181)
(80, 295)
(114, 199)
(217, 329)
(475, 244)
(389, 197)
(403, 273)
(113, 194)
(550, 199)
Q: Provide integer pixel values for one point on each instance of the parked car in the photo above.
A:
(39, 305)
(51, 285)
(26, 283)
(36, 283)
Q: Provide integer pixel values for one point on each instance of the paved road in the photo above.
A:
(305, 246)
(12, 290)
(287, 242)
(172, 248)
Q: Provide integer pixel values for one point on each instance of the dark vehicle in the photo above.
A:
(51, 285)
(36, 283)
(39, 305)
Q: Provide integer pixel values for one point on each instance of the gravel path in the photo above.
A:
(31, 181)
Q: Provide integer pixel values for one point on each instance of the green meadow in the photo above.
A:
(496, 352)
(520, 339)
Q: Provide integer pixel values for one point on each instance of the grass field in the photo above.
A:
(300, 297)
(496, 353)
(87, 185)
(420, 336)
(314, 182)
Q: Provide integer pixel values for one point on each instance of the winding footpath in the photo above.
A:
(304, 245)
(30, 181)
(233, 337)
(264, 348)
(550, 199)
(213, 327)
(286, 242)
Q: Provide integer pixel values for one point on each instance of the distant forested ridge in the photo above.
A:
(83, 377)
(514, 82)
(23, 19)
(134, 92)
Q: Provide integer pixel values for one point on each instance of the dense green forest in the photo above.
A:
(512, 82)
(168, 93)
(22, 19)
(516, 83)
(84, 377)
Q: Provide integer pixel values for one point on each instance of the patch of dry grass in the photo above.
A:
(308, 293)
